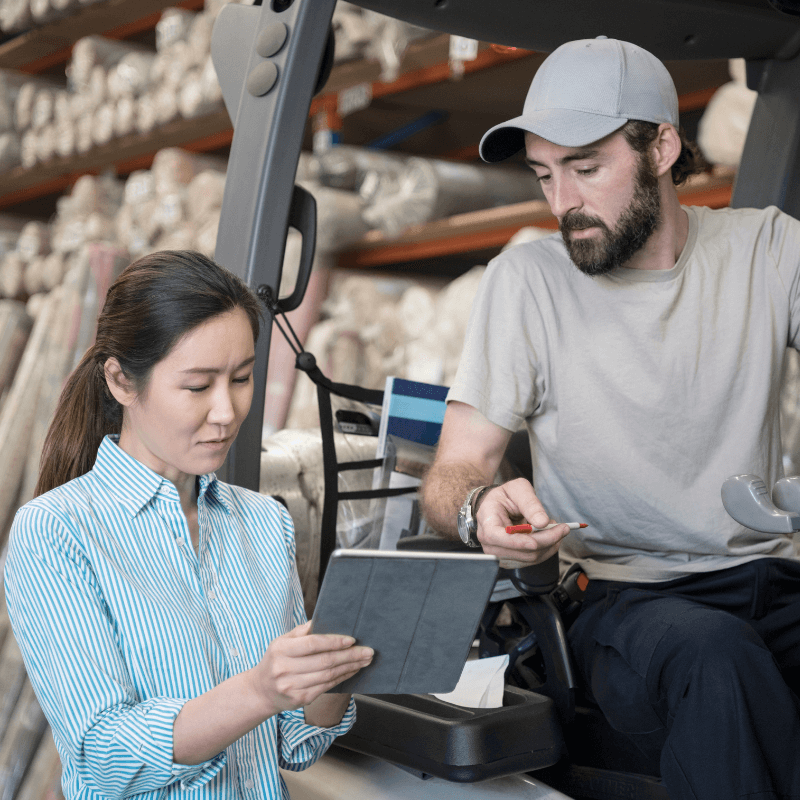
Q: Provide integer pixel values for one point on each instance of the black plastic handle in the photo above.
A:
(303, 218)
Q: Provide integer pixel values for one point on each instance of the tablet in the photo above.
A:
(419, 612)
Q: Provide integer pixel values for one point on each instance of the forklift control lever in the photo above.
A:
(747, 500)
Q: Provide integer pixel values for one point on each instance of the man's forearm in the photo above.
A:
(443, 492)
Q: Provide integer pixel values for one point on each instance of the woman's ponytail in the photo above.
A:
(86, 412)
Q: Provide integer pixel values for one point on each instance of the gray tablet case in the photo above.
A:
(418, 611)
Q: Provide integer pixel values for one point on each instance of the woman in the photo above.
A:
(158, 609)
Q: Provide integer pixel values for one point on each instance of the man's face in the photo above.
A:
(605, 197)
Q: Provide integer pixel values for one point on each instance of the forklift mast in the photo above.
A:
(272, 58)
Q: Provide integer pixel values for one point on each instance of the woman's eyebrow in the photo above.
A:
(215, 370)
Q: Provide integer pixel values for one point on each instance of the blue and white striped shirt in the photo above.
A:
(120, 622)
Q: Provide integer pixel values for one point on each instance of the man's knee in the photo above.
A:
(710, 650)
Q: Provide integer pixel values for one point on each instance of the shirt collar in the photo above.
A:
(135, 485)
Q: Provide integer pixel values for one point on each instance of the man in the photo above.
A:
(642, 349)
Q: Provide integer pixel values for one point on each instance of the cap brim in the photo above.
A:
(561, 126)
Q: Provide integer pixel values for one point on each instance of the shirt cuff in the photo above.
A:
(302, 744)
(152, 740)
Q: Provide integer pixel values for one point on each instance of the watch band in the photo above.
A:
(468, 521)
(477, 497)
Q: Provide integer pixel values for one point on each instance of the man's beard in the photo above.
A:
(614, 248)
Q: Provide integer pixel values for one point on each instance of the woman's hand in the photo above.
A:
(507, 504)
(300, 666)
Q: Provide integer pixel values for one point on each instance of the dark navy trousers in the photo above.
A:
(703, 673)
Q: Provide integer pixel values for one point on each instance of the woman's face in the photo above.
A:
(188, 415)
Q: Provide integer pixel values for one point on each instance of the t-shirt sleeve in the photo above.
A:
(499, 372)
(785, 251)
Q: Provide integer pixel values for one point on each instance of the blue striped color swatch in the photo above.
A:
(416, 411)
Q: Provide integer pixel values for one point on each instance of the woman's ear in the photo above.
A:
(666, 148)
(118, 384)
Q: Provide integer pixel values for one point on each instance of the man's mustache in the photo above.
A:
(578, 222)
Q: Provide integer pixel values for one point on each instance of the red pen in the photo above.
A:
(530, 529)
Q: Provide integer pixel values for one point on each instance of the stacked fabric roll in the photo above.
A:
(18, 15)
(117, 88)
(372, 36)
(38, 348)
(114, 89)
(44, 252)
(173, 206)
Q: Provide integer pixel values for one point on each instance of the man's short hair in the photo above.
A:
(640, 135)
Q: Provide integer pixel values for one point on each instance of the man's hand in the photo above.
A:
(507, 505)
(299, 666)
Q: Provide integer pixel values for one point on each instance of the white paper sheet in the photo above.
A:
(480, 685)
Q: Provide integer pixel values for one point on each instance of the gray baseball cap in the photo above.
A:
(584, 91)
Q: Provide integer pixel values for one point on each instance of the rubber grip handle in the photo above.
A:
(786, 493)
(303, 218)
(747, 500)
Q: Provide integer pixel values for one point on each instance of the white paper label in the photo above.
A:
(354, 98)
(463, 49)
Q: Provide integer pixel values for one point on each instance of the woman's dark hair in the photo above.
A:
(640, 135)
(154, 303)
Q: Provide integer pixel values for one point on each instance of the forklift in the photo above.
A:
(271, 59)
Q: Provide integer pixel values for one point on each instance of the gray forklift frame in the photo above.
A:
(269, 60)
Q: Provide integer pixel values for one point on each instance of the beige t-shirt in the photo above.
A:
(642, 391)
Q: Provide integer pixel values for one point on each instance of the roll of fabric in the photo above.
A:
(174, 26)
(95, 51)
(173, 168)
(345, 167)
(10, 150)
(32, 280)
(43, 11)
(199, 37)
(429, 189)
(24, 734)
(11, 84)
(125, 116)
(84, 134)
(26, 97)
(43, 778)
(131, 76)
(34, 240)
(165, 100)
(103, 123)
(15, 15)
(12, 269)
(146, 117)
(15, 327)
(65, 138)
(205, 193)
(52, 271)
(12, 681)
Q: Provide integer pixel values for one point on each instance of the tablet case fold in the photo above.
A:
(418, 612)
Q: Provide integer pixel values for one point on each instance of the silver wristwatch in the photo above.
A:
(467, 520)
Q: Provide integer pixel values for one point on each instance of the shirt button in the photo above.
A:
(179, 541)
(212, 595)
(248, 784)
(234, 653)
